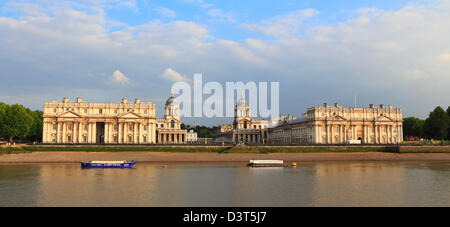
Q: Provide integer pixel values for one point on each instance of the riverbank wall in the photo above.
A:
(226, 149)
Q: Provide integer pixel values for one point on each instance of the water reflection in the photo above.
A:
(229, 184)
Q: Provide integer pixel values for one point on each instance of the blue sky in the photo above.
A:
(392, 52)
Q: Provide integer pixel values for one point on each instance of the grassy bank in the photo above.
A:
(230, 149)
(424, 149)
(191, 149)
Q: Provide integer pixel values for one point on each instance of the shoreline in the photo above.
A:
(168, 157)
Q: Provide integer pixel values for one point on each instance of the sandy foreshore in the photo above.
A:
(73, 157)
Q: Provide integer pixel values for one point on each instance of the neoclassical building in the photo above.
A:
(82, 122)
(341, 125)
(244, 128)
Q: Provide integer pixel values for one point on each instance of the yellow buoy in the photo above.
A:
(165, 166)
(294, 164)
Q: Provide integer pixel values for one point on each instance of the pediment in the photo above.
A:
(336, 118)
(129, 115)
(383, 118)
(69, 114)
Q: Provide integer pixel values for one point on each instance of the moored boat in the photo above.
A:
(266, 163)
(108, 164)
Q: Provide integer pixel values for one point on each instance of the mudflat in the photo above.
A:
(78, 156)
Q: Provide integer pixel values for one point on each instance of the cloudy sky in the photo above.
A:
(391, 52)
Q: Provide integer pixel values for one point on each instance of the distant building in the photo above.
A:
(191, 136)
(341, 125)
(111, 123)
(244, 129)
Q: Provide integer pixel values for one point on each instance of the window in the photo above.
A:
(162, 125)
(100, 111)
(115, 127)
(145, 111)
(130, 127)
(54, 110)
(54, 126)
(172, 124)
(69, 127)
(85, 110)
(85, 127)
(115, 110)
(145, 127)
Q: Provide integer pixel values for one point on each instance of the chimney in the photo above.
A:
(79, 100)
(336, 104)
(371, 105)
(382, 106)
(137, 101)
(325, 104)
(124, 100)
(65, 100)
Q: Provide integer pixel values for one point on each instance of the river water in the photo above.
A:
(228, 184)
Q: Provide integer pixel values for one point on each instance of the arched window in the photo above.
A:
(245, 124)
(172, 124)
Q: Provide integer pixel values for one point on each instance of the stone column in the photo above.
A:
(94, 132)
(119, 132)
(73, 132)
(111, 138)
(159, 137)
(391, 133)
(44, 132)
(332, 134)
(80, 131)
(140, 137)
(340, 133)
(376, 134)
(63, 132)
(125, 132)
(106, 134)
(57, 132)
(326, 133)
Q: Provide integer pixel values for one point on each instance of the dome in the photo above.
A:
(242, 101)
(171, 100)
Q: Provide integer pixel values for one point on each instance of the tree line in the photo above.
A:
(202, 131)
(20, 123)
(436, 126)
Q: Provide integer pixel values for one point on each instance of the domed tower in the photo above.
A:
(172, 108)
(242, 114)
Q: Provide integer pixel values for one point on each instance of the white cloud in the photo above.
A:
(399, 56)
(221, 16)
(172, 75)
(165, 12)
(119, 78)
(286, 25)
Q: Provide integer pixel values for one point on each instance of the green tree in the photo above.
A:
(436, 125)
(35, 133)
(413, 126)
(18, 122)
(3, 109)
(448, 130)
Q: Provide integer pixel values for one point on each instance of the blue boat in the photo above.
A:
(108, 164)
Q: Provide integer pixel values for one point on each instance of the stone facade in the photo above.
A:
(110, 123)
(244, 128)
(341, 125)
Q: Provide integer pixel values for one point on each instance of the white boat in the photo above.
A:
(265, 163)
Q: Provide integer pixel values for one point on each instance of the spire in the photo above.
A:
(171, 92)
